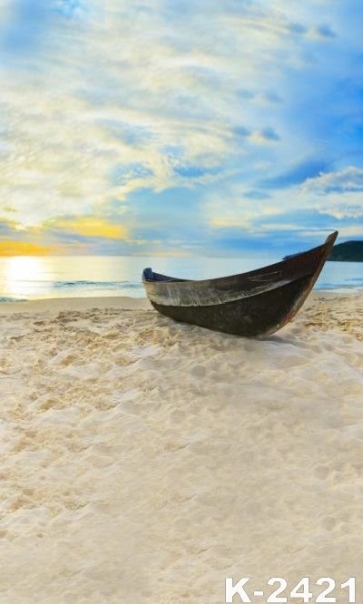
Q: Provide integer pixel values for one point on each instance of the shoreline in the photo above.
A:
(74, 304)
(130, 303)
(325, 309)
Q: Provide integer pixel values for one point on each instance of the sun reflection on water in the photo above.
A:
(25, 276)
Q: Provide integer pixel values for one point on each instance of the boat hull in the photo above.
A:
(243, 317)
(254, 304)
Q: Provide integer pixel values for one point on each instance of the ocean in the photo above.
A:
(36, 277)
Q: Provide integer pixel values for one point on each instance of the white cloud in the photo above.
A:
(337, 195)
(348, 180)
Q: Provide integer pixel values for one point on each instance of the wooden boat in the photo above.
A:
(253, 304)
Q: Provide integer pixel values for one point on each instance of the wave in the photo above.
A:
(96, 284)
(11, 299)
(342, 286)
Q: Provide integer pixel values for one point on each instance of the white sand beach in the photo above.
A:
(144, 461)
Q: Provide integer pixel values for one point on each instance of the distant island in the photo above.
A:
(349, 251)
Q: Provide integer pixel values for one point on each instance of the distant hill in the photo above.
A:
(349, 251)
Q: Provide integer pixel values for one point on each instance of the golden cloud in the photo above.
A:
(23, 248)
(92, 227)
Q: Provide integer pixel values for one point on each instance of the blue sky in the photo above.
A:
(179, 127)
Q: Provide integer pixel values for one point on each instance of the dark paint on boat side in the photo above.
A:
(253, 304)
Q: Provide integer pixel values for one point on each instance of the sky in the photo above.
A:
(179, 127)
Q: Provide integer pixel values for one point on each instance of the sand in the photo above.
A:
(144, 461)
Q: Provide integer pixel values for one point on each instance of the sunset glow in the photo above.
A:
(24, 276)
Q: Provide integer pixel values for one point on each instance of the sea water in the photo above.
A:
(36, 277)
